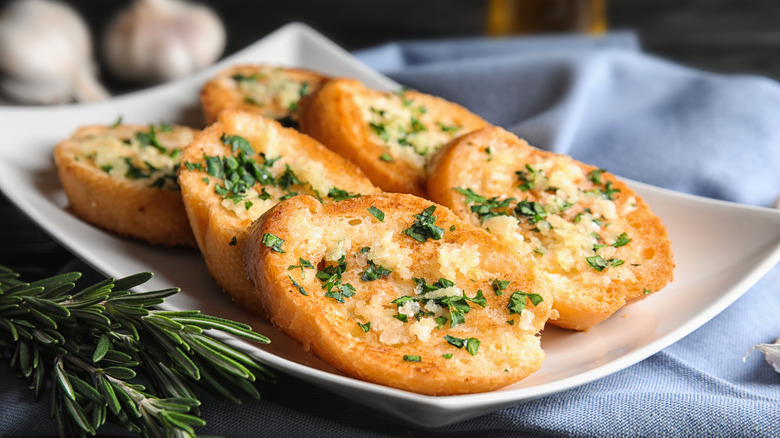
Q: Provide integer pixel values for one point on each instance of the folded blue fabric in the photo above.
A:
(604, 102)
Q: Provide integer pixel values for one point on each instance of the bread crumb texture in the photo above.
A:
(123, 178)
(593, 238)
(270, 91)
(237, 169)
(415, 309)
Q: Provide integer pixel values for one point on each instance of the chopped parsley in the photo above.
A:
(598, 263)
(447, 355)
(622, 240)
(424, 227)
(374, 272)
(517, 301)
(273, 242)
(298, 286)
(386, 157)
(118, 122)
(331, 281)
(471, 344)
(412, 358)
(448, 128)
(365, 327)
(499, 286)
(529, 178)
(237, 143)
(485, 208)
(533, 211)
(595, 176)
(303, 263)
(340, 195)
(377, 213)
(340, 291)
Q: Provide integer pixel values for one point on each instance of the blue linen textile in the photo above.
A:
(603, 102)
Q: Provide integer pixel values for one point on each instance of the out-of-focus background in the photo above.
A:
(730, 36)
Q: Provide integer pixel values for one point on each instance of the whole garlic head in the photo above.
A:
(46, 54)
(160, 40)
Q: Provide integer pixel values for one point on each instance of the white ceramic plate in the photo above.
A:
(721, 249)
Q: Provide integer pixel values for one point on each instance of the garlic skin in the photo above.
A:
(771, 353)
(160, 40)
(46, 54)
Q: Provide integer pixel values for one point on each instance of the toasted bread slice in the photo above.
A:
(396, 290)
(123, 178)
(270, 91)
(241, 166)
(594, 239)
(390, 135)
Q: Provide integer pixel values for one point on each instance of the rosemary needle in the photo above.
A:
(112, 357)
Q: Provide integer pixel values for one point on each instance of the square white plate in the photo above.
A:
(715, 263)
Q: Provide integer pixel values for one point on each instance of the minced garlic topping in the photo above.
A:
(406, 128)
(143, 159)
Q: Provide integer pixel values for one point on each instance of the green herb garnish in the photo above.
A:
(273, 242)
(107, 354)
(377, 213)
(517, 301)
(374, 272)
(424, 227)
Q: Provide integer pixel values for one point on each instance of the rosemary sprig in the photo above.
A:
(111, 356)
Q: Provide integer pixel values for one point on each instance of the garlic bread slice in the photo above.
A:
(123, 178)
(268, 90)
(390, 135)
(394, 289)
(241, 166)
(597, 242)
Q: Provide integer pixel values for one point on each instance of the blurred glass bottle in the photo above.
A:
(509, 17)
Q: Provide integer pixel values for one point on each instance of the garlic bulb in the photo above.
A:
(46, 54)
(160, 40)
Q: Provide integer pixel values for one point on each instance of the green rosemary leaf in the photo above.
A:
(22, 290)
(45, 338)
(11, 328)
(221, 361)
(147, 298)
(24, 355)
(225, 326)
(102, 288)
(109, 395)
(102, 348)
(43, 318)
(48, 307)
(77, 414)
(163, 322)
(62, 380)
(57, 280)
(85, 389)
(122, 373)
(183, 421)
(132, 281)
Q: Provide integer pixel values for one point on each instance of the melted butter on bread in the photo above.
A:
(593, 238)
(377, 304)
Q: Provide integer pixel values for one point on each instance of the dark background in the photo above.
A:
(729, 36)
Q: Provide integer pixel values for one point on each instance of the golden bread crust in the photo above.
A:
(348, 234)
(130, 207)
(389, 135)
(220, 224)
(578, 232)
(270, 91)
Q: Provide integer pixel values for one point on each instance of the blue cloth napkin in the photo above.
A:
(604, 102)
